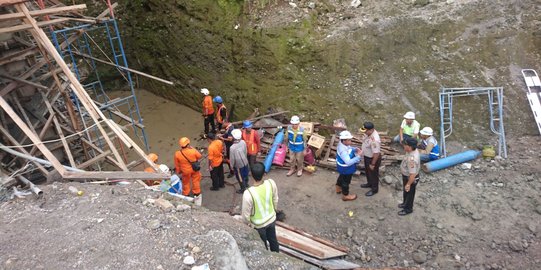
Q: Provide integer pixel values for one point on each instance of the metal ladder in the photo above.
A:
(446, 119)
(495, 108)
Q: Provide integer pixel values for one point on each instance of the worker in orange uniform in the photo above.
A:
(154, 158)
(221, 112)
(208, 111)
(252, 140)
(187, 164)
(216, 158)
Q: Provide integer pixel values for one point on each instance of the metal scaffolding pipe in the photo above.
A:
(33, 187)
(38, 160)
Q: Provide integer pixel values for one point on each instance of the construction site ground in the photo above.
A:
(484, 217)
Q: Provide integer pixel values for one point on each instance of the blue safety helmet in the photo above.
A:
(247, 124)
(218, 99)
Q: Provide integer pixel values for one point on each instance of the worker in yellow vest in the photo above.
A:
(259, 207)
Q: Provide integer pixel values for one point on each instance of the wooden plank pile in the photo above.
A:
(324, 147)
(41, 131)
(314, 250)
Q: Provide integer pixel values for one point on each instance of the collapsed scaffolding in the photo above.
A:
(47, 111)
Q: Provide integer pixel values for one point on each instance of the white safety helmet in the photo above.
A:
(163, 168)
(205, 91)
(345, 135)
(295, 120)
(409, 115)
(427, 131)
(237, 134)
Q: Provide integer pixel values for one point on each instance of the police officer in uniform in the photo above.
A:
(372, 159)
(410, 167)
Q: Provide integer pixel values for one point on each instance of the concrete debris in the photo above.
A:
(183, 207)
(388, 179)
(515, 245)
(419, 257)
(356, 3)
(154, 224)
(165, 205)
(466, 166)
(312, 5)
(188, 260)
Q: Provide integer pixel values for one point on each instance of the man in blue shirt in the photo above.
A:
(347, 158)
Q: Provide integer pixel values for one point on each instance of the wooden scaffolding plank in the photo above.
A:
(315, 238)
(114, 175)
(59, 132)
(41, 12)
(333, 138)
(334, 264)
(19, 55)
(22, 27)
(37, 85)
(94, 160)
(306, 245)
(15, 143)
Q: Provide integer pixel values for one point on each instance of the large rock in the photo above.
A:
(515, 245)
(225, 250)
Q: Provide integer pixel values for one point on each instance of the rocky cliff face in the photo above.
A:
(327, 60)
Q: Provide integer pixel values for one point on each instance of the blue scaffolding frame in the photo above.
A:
(110, 32)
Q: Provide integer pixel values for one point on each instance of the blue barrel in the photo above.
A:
(449, 161)
(277, 141)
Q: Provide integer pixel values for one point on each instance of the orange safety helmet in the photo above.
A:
(183, 142)
(153, 157)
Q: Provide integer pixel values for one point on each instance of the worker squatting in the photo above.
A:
(238, 149)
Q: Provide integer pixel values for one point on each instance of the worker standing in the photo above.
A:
(187, 164)
(154, 158)
(252, 140)
(296, 144)
(221, 112)
(409, 128)
(347, 158)
(371, 148)
(215, 150)
(410, 167)
(227, 138)
(259, 207)
(239, 160)
(208, 111)
(428, 148)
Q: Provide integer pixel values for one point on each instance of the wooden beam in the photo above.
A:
(333, 138)
(124, 68)
(15, 143)
(59, 130)
(97, 149)
(11, 2)
(18, 56)
(114, 175)
(41, 12)
(315, 238)
(259, 117)
(22, 27)
(121, 115)
(37, 85)
(106, 11)
(94, 160)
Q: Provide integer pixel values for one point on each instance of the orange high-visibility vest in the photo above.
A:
(208, 108)
(251, 142)
(219, 118)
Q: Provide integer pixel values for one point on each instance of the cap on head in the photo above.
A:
(205, 91)
(211, 136)
(247, 124)
(409, 115)
(183, 142)
(163, 168)
(409, 141)
(237, 134)
(258, 170)
(426, 131)
(368, 125)
(218, 99)
(345, 135)
(153, 157)
(295, 120)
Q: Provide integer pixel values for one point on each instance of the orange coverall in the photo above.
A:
(152, 182)
(208, 107)
(184, 166)
(216, 155)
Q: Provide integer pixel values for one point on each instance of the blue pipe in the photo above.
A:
(277, 141)
(449, 161)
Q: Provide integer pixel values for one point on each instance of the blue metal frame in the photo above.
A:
(112, 33)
